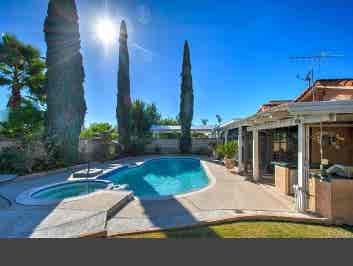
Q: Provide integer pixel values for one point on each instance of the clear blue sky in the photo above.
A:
(239, 50)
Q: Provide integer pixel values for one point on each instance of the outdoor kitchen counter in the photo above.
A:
(331, 197)
(284, 164)
(286, 175)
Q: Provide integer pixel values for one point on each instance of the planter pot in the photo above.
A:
(216, 155)
(229, 163)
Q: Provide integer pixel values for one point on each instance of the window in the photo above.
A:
(284, 144)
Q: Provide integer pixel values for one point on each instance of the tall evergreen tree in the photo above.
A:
(124, 99)
(65, 94)
(186, 103)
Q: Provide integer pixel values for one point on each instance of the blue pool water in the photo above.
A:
(69, 189)
(161, 177)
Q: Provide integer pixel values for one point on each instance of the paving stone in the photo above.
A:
(85, 174)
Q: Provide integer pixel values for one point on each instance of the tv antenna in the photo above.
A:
(315, 59)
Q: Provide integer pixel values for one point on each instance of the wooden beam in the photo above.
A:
(332, 125)
(273, 125)
(344, 117)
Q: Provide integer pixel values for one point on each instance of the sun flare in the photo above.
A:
(106, 31)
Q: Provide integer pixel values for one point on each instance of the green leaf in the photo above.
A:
(5, 81)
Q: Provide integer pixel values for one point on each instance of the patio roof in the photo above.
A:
(277, 110)
(322, 110)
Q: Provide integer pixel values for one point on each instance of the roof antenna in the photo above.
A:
(314, 59)
(308, 78)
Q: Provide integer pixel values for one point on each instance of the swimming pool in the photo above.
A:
(161, 177)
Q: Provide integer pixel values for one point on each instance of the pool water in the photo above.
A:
(67, 190)
(162, 177)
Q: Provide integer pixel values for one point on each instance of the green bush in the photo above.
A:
(227, 150)
(220, 151)
(25, 121)
(29, 156)
(102, 130)
(13, 161)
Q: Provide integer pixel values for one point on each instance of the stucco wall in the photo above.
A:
(96, 150)
(5, 143)
(199, 146)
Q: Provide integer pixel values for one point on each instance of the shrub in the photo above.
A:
(13, 161)
(25, 121)
(227, 150)
(220, 151)
(230, 149)
(29, 156)
(103, 130)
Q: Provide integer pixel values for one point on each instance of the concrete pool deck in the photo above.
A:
(230, 198)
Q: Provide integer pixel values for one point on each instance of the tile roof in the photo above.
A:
(326, 83)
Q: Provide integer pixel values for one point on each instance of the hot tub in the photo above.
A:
(62, 192)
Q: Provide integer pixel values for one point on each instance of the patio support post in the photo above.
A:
(255, 154)
(155, 135)
(240, 149)
(301, 191)
(226, 136)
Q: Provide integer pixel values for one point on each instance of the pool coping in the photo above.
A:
(9, 203)
(212, 179)
(25, 198)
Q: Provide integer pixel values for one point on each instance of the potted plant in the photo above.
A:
(229, 150)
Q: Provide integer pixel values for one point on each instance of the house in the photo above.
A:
(292, 143)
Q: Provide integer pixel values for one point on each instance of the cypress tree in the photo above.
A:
(186, 103)
(124, 99)
(66, 107)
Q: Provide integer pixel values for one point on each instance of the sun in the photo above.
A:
(106, 30)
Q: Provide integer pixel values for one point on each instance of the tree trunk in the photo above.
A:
(15, 98)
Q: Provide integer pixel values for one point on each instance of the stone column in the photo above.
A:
(255, 155)
(302, 171)
(240, 150)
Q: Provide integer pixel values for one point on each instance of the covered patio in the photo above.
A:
(293, 142)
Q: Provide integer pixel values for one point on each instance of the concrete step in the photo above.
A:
(82, 217)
